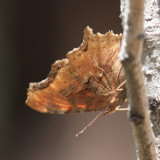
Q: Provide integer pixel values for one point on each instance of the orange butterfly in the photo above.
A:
(89, 79)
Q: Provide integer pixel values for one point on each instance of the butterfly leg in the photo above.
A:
(115, 110)
(110, 112)
(119, 87)
(121, 109)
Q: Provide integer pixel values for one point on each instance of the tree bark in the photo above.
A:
(130, 56)
(151, 64)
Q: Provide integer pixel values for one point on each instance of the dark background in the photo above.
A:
(33, 34)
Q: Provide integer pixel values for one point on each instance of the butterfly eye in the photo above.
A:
(100, 75)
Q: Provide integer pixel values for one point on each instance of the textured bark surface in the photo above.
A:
(151, 63)
(131, 52)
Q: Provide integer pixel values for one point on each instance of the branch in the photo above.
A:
(130, 56)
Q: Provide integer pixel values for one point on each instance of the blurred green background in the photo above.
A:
(33, 34)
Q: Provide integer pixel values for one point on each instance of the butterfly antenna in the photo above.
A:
(89, 124)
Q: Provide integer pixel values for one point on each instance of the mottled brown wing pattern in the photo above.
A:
(99, 53)
(61, 93)
(86, 81)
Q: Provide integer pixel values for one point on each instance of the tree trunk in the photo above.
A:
(151, 61)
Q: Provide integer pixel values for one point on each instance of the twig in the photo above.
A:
(130, 57)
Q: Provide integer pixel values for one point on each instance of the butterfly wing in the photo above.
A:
(61, 93)
(85, 81)
(96, 61)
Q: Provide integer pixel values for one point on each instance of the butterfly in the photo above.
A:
(89, 79)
